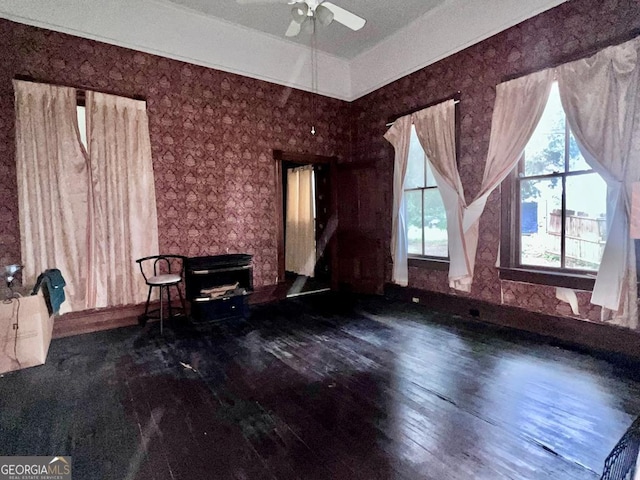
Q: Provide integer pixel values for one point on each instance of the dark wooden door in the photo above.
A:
(360, 228)
(323, 212)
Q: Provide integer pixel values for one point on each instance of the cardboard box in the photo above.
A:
(35, 327)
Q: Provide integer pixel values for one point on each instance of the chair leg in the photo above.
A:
(161, 316)
(142, 319)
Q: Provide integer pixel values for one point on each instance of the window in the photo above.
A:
(426, 217)
(558, 211)
(82, 123)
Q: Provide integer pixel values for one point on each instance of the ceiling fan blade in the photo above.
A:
(293, 30)
(345, 17)
(324, 15)
(249, 2)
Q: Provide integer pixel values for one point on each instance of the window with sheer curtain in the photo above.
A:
(428, 197)
(561, 215)
(426, 215)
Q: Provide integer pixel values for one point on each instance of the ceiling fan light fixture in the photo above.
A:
(324, 15)
(299, 12)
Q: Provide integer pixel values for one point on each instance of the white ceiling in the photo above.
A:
(399, 38)
(272, 17)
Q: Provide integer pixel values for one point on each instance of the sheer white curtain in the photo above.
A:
(300, 243)
(53, 187)
(601, 97)
(517, 111)
(124, 220)
(399, 135)
(435, 127)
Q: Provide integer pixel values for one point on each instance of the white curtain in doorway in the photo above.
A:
(300, 244)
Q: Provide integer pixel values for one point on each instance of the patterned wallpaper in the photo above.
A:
(550, 38)
(212, 136)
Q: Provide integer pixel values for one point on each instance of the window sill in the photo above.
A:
(555, 279)
(428, 263)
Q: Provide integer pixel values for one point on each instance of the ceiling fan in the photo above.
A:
(305, 13)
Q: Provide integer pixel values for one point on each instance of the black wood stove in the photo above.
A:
(218, 286)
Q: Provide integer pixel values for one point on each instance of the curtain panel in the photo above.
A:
(436, 130)
(601, 98)
(300, 243)
(123, 218)
(53, 187)
(399, 135)
(518, 108)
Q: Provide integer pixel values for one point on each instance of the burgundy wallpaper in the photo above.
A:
(212, 136)
(550, 38)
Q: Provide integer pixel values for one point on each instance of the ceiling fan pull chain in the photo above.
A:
(314, 75)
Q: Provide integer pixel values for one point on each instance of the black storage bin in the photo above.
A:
(203, 273)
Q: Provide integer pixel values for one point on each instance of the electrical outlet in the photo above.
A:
(415, 300)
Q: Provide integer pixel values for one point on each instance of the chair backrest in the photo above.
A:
(157, 264)
(622, 461)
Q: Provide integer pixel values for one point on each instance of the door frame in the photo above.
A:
(280, 157)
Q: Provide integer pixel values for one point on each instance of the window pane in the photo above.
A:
(82, 124)
(545, 151)
(576, 160)
(540, 222)
(586, 221)
(431, 181)
(435, 224)
(413, 201)
(415, 165)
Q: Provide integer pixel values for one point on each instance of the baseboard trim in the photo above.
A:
(595, 338)
(88, 321)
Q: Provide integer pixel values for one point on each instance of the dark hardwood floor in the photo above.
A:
(320, 387)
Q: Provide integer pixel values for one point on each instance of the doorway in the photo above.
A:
(315, 271)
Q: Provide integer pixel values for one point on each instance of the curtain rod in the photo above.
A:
(578, 56)
(455, 97)
(81, 89)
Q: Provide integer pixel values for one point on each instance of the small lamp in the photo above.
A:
(9, 275)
